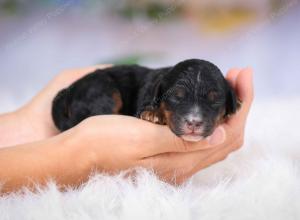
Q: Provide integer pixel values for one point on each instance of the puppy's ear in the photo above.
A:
(232, 102)
(149, 108)
(157, 93)
(150, 97)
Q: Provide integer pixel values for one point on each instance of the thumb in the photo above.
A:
(218, 136)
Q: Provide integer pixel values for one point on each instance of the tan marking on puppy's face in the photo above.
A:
(116, 96)
(165, 115)
(179, 92)
(221, 118)
(212, 95)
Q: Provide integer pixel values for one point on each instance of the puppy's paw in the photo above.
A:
(153, 116)
(150, 116)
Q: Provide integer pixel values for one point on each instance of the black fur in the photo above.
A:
(151, 92)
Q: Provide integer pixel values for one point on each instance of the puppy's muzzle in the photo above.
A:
(193, 125)
(192, 128)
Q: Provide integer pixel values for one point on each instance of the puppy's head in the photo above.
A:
(193, 98)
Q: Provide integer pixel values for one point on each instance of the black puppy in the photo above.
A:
(192, 97)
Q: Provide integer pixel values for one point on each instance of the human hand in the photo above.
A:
(112, 143)
(115, 142)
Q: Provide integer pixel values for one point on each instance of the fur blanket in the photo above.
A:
(260, 181)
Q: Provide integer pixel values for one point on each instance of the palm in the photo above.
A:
(38, 110)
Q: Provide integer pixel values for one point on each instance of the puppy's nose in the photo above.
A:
(193, 124)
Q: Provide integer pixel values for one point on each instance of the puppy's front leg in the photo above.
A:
(153, 115)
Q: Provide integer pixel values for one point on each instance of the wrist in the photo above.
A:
(63, 160)
(79, 157)
(22, 126)
(38, 123)
(13, 129)
(90, 145)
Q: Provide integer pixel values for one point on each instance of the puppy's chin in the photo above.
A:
(192, 138)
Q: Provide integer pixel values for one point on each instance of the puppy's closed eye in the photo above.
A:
(179, 92)
(176, 95)
(212, 96)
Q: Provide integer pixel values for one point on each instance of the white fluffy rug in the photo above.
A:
(260, 181)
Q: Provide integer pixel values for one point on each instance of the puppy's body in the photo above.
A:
(115, 90)
(190, 97)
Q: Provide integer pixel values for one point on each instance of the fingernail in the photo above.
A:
(218, 136)
(238, 72)
(248, 69)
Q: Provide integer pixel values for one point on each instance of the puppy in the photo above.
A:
(192, 97)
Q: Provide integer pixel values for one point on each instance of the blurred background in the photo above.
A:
(38, 39)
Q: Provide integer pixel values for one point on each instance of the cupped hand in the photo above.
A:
(36, 114)
(116, 143)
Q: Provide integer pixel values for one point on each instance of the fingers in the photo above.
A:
(245, 92)
(83, 71)
(218, 137)
(232, 75)
(67, 77)
(244, 85)
(72, 75)
(241, 80)
(177, 167)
